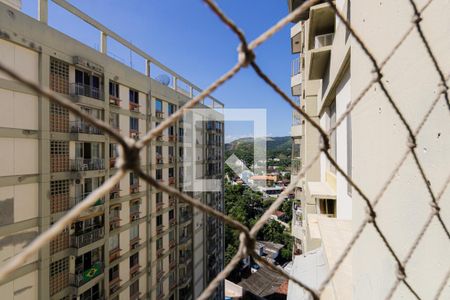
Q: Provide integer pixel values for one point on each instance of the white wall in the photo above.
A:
(379, 141)
(344, 200)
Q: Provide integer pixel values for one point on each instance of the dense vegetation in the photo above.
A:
(247, 206)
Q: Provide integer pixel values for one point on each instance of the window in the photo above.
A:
(327, 206)
(171, 172)
(159, 220)
(113, 272)
(171, 214)
(114, 89)
(134, 260)
(171, 130)
(113, 242)
(159, 244)
(134, 232)
(114, 120)
(171, 238)
(171, 151)
(171, 108)
(158, 105)
(159, 197)
(159, 174)
(134, 96)
(171, 279)
(134, 124)
(134, 288)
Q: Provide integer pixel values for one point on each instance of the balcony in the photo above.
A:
(113, 100)
(115, 192)
(159, 114)
(185, 216)
(159, 229)
(134, 213)
(294, 4)
(159, 252)
(159, 159)
(81, 240)
(134, 187)
(185, 257)
(114, 254)
(77, 199)
(172, 138)
(112, 162)
(87, 164)
(185, 238)
(80, 89)
(185, 279)
(134, 242)
(87, 275)
(171, 180)
(83, 127)
(134, 107)
(172, 243)
(173, 221)
(134, 134)
(134, 270)
(171, 159)
(114, 283)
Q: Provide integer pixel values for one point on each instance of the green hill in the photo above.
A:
(277, 147)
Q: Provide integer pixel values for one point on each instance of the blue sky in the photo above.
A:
(185, 36)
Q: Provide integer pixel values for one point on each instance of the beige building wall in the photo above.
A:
(26, 196)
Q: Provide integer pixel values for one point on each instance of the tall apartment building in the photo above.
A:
(329, 72)
(134, 243)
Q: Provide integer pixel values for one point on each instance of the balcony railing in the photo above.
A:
(185, 238)
(87, 164)
(114, 254)
(134, 269)
(134, 213)
(77, 199)
(87, 275)
(114, 283)
(185, 216)
(81, 240)
(80, 89)
(159, 114)
(113, 100)
(112, 162)
(83, 127)
(115, 192)
(172, 138)
(134, 107)
(134, 134)
(134, 187)
(185, 257)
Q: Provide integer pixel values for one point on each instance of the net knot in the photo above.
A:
(245, 55)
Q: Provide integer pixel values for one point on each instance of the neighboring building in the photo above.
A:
(134, 243)
(331, 69)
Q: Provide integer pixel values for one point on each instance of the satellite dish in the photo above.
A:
(163, 79)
